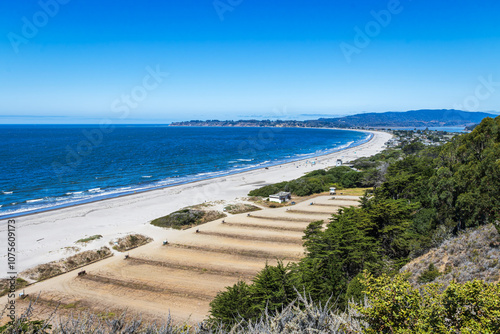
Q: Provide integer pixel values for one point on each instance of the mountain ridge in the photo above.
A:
(411, 118)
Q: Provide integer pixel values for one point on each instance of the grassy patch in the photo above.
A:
(429, 275)
(70, 305)
(353, 191)
(89, 239)
(187, 218)
(240, 208)
(51, 269)
(129, 242)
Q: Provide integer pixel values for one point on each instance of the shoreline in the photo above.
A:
(175, 184)
(51, 235)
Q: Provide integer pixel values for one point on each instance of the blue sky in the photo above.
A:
(86, 60)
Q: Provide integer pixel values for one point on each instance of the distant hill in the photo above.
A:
(412, 118)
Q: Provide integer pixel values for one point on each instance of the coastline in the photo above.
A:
(50, 235)
(194, 179)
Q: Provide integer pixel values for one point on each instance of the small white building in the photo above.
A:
(332, 190)
(339, 163)
(281, 197)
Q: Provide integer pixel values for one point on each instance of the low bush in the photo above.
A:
(397, 307)
(187, 218)
(240, 208)
(89, 239)
(317, 181)
(429, 275)
(129, 242)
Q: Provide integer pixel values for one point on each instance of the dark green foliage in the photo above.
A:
(459, 181)
(186, 218)
(413, 147)
(180, 219)
(426, 195)
(429, 275)
(314, 182)
(271, 289)
(23, 326)
(231, 305)
(355, 289)
(390, 156)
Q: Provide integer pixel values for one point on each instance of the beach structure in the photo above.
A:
(332, 191)
(339, 163)
(281, 197)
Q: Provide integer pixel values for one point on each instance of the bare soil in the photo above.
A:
(183, 276)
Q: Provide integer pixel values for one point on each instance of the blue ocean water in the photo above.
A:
(50, 166)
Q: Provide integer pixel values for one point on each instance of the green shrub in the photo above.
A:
(89, 239)
(315, 182)
(429, 275)
(396, 307)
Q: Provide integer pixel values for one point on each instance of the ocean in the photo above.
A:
(51, 166)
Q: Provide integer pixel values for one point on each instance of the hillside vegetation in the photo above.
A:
(411, 118)
(427, 197)
(367, 172)
(474, 253)
(433, 217)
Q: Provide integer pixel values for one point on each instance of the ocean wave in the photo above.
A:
(110, 190)
(35, 200)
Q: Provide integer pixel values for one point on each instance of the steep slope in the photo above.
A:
(474, 254)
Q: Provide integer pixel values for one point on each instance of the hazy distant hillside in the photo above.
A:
(412, 118)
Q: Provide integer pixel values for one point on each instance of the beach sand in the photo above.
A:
(49, 236)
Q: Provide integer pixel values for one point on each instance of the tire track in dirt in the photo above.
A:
(141, 286)
(200, 269)
(241, 252)
(251, 237)
(186, 274)
(267, 227)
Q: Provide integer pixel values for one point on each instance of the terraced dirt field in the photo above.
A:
(183, 276)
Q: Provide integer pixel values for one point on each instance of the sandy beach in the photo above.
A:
(51, 235)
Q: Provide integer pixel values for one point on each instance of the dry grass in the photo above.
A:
(54, 268)
(267, 227)
(130, 241)
(89, 239)
(240, 208)
(353, 191)
(282, 239)
(302, 316)
(187, 218)
(473, 254)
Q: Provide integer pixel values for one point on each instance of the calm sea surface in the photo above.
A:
(44, 167)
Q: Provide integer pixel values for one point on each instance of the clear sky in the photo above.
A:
(64, 61)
